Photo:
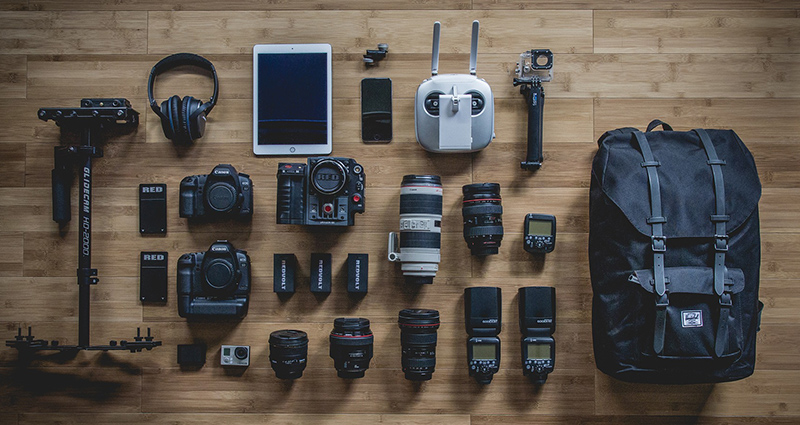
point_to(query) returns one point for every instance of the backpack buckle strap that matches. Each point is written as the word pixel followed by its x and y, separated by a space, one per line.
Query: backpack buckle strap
pixel 720 218
pixel 656 220
pixel 658 243
pixel 721 243
pixel 716 161
pixel 650 164
pixel 725 304
pixel 662 301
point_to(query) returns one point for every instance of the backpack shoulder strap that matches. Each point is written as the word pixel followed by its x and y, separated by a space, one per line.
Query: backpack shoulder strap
pixel 658 242
pixel 720 220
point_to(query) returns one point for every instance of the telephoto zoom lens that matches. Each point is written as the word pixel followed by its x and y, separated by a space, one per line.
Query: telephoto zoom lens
pixel 418 339
pixel 420 241
pixel 351 346
pixel 483 218
pixel 288 353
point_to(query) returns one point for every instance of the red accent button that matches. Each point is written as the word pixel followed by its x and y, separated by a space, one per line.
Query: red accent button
pixel 356 198
pixel 327 208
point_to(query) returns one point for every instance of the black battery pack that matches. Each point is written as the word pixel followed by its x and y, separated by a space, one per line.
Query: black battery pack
pixel 152 208
pixel 357 272
pixel 321 273
pixel 283 273
pixel 153 277
pixel 191 355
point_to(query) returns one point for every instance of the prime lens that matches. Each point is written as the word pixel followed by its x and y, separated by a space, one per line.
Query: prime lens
pixel 483 218
pixel 288 353
pixel 351 346
pixel 418 339
pixel 420 239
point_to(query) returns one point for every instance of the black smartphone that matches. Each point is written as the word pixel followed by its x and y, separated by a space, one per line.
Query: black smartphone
pixel 376 110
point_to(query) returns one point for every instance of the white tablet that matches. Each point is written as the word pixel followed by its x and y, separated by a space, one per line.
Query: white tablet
pixel 292 95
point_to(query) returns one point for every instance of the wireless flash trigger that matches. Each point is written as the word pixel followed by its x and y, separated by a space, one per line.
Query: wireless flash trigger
pixel 454 112
pixel 183 120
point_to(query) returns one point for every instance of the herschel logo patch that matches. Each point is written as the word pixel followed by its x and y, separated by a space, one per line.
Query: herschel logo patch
pixel 692 319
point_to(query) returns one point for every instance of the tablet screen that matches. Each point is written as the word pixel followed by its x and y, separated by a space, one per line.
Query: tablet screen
pixel 292 99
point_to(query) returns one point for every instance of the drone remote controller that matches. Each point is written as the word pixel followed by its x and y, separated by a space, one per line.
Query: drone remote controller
pixel 454 112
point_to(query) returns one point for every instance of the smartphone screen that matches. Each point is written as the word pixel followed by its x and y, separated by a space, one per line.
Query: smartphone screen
pixel 376 110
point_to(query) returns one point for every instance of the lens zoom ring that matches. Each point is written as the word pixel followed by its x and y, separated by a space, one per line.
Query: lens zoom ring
pixel 481 209
pixel 420 240
pixel 420 204
pixel 485 231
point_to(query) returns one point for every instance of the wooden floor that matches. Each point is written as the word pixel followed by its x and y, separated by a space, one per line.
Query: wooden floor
pixel 704 63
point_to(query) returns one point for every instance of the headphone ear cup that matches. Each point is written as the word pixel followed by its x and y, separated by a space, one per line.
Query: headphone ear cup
pixel 175 119
pixel 166 120
pixel 189 107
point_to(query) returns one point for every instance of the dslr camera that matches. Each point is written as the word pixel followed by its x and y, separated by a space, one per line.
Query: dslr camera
pixel 215 283
pixel 325 192
pixel 224 192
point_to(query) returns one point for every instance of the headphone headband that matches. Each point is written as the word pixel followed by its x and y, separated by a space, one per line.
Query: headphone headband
pixel 174 61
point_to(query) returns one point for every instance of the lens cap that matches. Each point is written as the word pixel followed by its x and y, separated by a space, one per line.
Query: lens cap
pixel 426 179
pixel 418 317
pixel 328 176
pixel 219 273
pixel 288 338
pixel 221 196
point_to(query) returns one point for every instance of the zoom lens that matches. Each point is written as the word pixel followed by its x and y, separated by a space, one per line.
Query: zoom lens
pixel 420 239
pixel 288 353
pixel 418 339
pixel 351 346
pixel 483 218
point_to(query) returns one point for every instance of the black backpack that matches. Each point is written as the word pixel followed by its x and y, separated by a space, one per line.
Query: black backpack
pixel 674 255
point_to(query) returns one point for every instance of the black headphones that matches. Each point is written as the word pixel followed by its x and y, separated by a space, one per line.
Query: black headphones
pixel 183 120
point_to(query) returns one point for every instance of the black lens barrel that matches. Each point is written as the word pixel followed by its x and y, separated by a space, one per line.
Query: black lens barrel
pixel 483 218
pixel 288 353
pixel 418 339
pixel 351 346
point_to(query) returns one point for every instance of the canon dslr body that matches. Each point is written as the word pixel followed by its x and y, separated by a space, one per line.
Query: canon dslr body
pixel 483 218
pixel 537 322
pixel 215 283
pixel 482 311
pixel 288 353
pixel 222 193
pixel 325 192
pixel 418 338
pixel 351 346
pixel 418 245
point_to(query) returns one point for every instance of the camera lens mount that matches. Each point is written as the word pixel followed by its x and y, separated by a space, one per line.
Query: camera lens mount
pixel 328 176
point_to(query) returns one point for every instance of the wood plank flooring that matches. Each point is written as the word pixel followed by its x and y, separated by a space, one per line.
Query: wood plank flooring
pixel 713 64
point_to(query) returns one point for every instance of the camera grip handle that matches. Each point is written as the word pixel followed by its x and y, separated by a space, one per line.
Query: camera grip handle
pixel 535 98
pixel 61 180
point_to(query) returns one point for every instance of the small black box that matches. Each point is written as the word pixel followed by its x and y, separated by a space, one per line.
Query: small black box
pixel 321 273
pixel 152 208
pixel 153 277
pixel 191 354
pixel 283 273
pixel 357 272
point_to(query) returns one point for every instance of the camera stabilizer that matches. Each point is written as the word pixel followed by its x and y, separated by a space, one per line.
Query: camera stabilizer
pixel 534 68
pixel 90 118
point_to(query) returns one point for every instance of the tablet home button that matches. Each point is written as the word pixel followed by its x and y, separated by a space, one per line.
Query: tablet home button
pixel 292 149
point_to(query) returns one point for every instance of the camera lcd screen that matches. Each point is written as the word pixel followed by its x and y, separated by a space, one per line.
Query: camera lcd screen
pixel 538 351
pixel 292 99
pixel 539 227
pixel 483 352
